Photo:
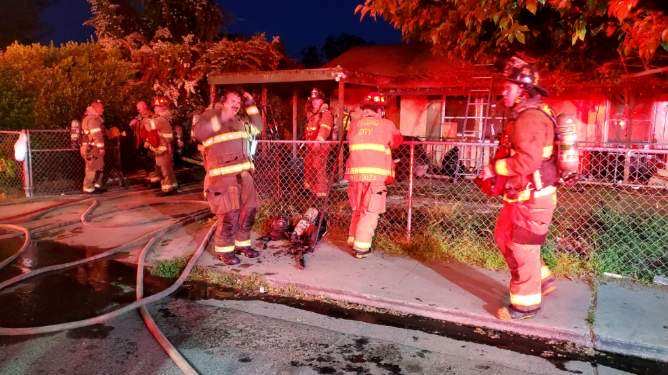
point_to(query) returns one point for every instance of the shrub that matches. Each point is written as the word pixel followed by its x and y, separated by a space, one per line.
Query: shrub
pixel 46 86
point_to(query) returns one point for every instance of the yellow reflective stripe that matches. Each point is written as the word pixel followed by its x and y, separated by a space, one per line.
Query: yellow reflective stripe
pixel 525 194
pixel 325 126
pixel 371 170
pixel 359 245
pixel 525 299
pixel 245 243
pixel 370 147
pixel 252 110
pixel 231 136
pixel 501 168
pixel 152 125
pixel 99 145
pixel 545 272
pixel 223 249
pixel 167 135
pixel 547 151
pixel 235 168
pixel 95 130
pixel 161 149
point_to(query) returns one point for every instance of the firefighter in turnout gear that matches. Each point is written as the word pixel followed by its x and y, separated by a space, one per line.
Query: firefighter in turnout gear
pixel 92 147
pixel 139 126
pixel 526 167
pixel 162 146
pixel 369 168
pixel 319 123
pixel 229 186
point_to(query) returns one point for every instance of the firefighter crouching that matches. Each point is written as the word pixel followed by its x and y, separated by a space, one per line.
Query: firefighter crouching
pixel 229 186
pixel 162 147
pixel 319 122
pixel 525 172
pixel 368 169
pixel 92 148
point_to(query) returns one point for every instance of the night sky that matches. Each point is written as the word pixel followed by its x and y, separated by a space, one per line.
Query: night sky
pixel 300 24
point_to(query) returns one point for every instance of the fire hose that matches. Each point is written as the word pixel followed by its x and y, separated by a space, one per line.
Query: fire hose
pixel 140 302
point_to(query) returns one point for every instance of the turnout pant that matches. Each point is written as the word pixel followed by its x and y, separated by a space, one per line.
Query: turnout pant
pixel 233 199
pixel 315 169
pixel 164 172
pixel 367 200
pixel 93 168
pixel 521 229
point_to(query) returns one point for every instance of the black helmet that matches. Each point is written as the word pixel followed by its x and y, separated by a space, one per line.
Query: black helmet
pixel 526 76
pixel 279 226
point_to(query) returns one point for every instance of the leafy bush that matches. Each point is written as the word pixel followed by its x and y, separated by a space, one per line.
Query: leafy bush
pixel 46 86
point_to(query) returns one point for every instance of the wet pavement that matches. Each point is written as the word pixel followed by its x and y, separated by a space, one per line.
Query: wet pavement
pixel 232 336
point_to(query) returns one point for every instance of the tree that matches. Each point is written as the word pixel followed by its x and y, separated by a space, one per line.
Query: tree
pixel 21 21
pixel 115 19
pixel 576 34
pixel 336 45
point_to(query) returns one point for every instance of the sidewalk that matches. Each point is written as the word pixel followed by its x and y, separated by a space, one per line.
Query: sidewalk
pixel 628 319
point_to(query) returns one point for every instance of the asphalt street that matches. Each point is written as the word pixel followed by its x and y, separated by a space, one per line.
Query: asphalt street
pixel 255 337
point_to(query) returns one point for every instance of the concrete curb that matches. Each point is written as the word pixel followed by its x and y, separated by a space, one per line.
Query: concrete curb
pixel 632 349
pixel 440 313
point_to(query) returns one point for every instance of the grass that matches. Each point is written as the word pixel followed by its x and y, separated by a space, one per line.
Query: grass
pixel 595 230
pixel 169 268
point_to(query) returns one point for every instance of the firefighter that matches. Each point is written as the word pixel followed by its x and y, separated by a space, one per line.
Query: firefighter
pixel 229 186
pixel 113 162
pixel 139 126
pixel 162 147
pixel 319 122
pixel 369 169
pixel 527 174
pixel 92 148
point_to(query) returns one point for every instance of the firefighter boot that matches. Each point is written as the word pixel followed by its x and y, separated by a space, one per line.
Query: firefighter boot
pixel 361 254
pixel 247 251
pixel 230 259
pixel 511 313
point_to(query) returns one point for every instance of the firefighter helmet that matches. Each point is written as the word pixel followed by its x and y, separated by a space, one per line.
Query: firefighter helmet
pixel 160 101
pixel 278 228
pixel 374 100
pixel 522 73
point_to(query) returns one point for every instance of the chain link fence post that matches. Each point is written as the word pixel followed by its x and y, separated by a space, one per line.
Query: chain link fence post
pixel 27 167
pixel 409 218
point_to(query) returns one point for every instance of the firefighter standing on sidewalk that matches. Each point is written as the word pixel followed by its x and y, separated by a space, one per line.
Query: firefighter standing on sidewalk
pixel 163 150
pixel 528 174
pixel 92 148
pixel 229 186
pixel 319 122
pixel 369 169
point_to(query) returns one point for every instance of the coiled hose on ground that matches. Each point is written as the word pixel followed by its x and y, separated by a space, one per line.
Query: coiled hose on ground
pixel 141 301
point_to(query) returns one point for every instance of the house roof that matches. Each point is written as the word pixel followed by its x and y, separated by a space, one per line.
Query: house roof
pixel 405 68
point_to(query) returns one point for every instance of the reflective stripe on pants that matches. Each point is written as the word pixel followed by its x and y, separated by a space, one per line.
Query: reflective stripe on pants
pixel 519 233
pixel 367 200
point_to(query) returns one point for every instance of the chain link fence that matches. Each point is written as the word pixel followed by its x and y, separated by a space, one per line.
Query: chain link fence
pixel 57 167
pixel 615 220
pixel 11 171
